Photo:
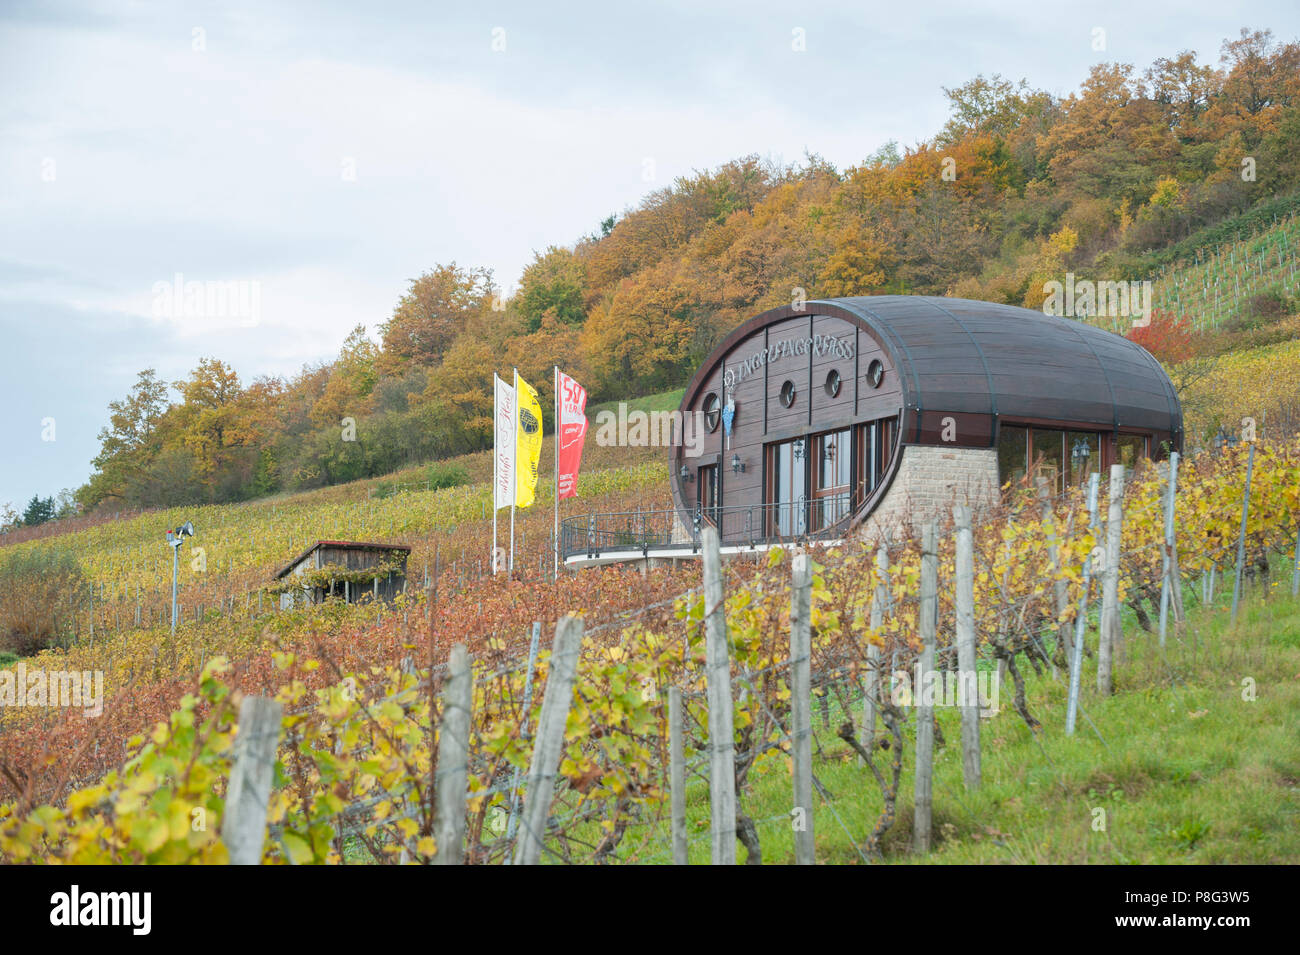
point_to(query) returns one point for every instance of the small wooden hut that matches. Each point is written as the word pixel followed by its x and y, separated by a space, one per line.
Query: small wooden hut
pixel 344 569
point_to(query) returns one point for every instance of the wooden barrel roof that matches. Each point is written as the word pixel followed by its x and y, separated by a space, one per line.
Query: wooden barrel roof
pixel 963 356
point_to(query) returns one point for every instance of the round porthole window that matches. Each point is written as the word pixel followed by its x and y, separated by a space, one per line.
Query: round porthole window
pixel 876 372
pixel 712 411
pixel 833 383
pixel 787 393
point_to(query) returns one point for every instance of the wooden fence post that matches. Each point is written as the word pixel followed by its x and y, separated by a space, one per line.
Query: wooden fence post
pixel 722 739
pixel 1241 537
pixel 243 829
pixel 1111 631
pixel 1170 581
pixel 967 678
pixel 549 749
pixel 1048 513
pixel 871 682
pixel 513 823
pixel 677 775
pixel 929 624
pixel 1076 662
pixel 1295 568
pixel 453 758
pixel 801 707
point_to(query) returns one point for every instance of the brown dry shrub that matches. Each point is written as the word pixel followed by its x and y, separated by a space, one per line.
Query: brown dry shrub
pixel 38 595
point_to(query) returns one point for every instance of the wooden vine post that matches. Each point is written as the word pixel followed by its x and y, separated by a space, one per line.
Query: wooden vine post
pixel 513 823
pixel 1241 537
pixel 967 678
pixel 1295 568
pixel 1080 618
pixel 453 758
pixel 549 749
pixel 722 737
pixel 243 828
pixel 1059 588
pixel 929 625
pixel 871 682
pixel 801 707
pixel 1111 630
pixel 1171 580
pixel 677 776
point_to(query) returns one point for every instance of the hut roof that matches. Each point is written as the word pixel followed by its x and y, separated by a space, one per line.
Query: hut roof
pixel 343 545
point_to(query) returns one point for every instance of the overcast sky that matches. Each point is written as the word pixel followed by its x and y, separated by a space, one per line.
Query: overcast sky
pixel 324 154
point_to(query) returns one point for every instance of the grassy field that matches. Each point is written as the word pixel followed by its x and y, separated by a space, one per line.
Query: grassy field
pixel 1184 768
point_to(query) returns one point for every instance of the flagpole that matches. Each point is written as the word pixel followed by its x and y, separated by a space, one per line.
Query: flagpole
pixel 514 480
pixel 555 386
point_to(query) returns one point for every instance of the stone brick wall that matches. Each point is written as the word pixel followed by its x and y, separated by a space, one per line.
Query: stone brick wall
pixel 680 533
pixel 930 480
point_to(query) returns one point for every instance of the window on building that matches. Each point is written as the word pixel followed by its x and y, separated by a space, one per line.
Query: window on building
pixel 1130 449
pixel 707 478
pixel 875 446
pixel 787 488
pixel 712 412
pixel 1047 452
pixel 1065 458
pixel 1013 453
pixel 833 472
pixel 811 481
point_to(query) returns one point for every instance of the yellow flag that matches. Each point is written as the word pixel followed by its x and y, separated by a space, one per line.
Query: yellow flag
pixel 528 442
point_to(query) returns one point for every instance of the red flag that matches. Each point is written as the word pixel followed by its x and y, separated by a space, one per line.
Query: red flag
pixel 572 432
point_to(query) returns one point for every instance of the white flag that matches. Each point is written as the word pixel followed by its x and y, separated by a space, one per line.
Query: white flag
pixel 503 474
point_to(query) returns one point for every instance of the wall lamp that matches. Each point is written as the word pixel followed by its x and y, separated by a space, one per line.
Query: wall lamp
pixel 687 476
pixel 737 465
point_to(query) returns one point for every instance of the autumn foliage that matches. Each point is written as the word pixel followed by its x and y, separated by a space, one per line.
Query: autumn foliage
pixel 1018 187
pixel 1168 337
pixel 357 755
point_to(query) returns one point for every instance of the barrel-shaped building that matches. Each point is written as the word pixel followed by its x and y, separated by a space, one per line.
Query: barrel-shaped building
pixel 826 417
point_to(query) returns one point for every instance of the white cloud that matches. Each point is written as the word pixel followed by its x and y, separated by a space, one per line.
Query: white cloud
pixel 227 164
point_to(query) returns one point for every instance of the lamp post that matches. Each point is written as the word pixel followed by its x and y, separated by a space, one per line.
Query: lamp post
pixel 174 540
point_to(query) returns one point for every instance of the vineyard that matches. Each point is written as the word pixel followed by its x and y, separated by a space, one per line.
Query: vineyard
pixel 225 572
pixel 1042 592
pixel 1259 383
pixel 1215 285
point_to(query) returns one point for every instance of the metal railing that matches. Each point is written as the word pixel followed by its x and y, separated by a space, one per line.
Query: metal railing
pixel 674 531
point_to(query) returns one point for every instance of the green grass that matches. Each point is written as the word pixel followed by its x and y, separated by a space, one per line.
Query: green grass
pixel 1184 768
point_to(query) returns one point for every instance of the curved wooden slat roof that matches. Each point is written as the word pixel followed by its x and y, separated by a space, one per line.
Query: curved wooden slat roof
pixel 966 356
pixel 980 357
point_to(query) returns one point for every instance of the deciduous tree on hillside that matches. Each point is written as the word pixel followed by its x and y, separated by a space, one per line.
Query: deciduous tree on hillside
pixel 434 310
